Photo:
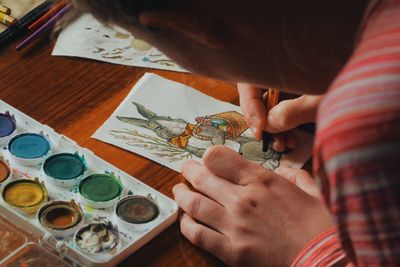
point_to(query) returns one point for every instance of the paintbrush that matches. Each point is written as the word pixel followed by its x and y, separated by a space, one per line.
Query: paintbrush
pixel 272 100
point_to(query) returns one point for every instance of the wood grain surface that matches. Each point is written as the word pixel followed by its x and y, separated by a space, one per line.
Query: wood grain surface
pixel 75 97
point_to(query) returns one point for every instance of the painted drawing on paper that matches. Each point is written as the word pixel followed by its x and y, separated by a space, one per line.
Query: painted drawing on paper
pixel 178 139
pixel 170 123
pixel 88 38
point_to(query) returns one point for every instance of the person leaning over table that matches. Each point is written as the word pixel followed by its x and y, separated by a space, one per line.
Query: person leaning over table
pixel 350 50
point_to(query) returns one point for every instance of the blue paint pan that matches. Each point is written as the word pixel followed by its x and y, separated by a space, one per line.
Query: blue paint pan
pixel 29 149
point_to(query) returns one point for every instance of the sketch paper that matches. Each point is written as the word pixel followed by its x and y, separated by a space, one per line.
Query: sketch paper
pixel 171 123
pixel 86 37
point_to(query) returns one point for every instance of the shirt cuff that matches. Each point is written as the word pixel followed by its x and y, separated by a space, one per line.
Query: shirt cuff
pixel 324 250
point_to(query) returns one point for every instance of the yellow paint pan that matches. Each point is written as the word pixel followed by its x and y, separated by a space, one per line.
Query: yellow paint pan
pixel 25 195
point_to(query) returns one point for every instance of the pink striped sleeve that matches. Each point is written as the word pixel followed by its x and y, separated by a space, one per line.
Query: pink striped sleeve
pixel 324 250
pixel 357 149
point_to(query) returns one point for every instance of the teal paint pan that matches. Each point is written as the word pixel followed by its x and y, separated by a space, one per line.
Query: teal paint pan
pixel 64 170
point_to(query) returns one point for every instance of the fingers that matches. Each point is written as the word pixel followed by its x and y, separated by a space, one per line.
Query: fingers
pixel 206 238
pixel 289 114
pixel 227 164
pixel 207 183
pixel 285 116
pixel 253 108
pixel 285 140
pixel 199 207
pixel 291 140
pixel 279 143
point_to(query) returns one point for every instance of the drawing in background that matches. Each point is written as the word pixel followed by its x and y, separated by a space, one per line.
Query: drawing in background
pixel 171 123
pixel 88 38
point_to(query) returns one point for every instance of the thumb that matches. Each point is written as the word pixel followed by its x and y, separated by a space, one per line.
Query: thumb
pixel 291 113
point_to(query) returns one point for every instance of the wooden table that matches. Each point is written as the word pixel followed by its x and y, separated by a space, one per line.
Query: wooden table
pixel 75 97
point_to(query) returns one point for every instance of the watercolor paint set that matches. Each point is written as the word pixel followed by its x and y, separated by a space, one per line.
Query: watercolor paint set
pixel 62 202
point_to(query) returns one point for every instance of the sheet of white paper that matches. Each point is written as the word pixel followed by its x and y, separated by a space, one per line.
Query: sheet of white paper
pixel 171 123
pixel 88 38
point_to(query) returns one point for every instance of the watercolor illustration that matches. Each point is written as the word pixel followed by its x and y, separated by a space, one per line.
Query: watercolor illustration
pixel 171 123
pixel 178 139
pixel 88 38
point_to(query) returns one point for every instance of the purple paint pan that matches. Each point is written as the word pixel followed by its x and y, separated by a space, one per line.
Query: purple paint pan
pixel 8 126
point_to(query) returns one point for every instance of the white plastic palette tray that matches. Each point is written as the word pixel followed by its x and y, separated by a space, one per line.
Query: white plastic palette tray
pixel 130 241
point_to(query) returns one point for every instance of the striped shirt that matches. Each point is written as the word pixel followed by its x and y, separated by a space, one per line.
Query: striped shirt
pixel 357 151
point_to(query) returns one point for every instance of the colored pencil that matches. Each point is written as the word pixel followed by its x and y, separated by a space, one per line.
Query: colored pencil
pixel 22 25
pixel 5 10
pixel 44 28
pixel 272 100
pixel 7 19
pixel 48 15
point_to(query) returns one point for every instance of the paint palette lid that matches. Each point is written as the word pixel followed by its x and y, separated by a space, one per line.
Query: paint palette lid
pixel 34 255
pixel 18 248
pixel 11 241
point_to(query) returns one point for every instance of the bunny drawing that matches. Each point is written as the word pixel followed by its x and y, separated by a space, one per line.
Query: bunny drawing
pixel 225 128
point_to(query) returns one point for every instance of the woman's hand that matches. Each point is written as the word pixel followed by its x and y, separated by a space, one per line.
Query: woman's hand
pixel 283 117
pixel 245 214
